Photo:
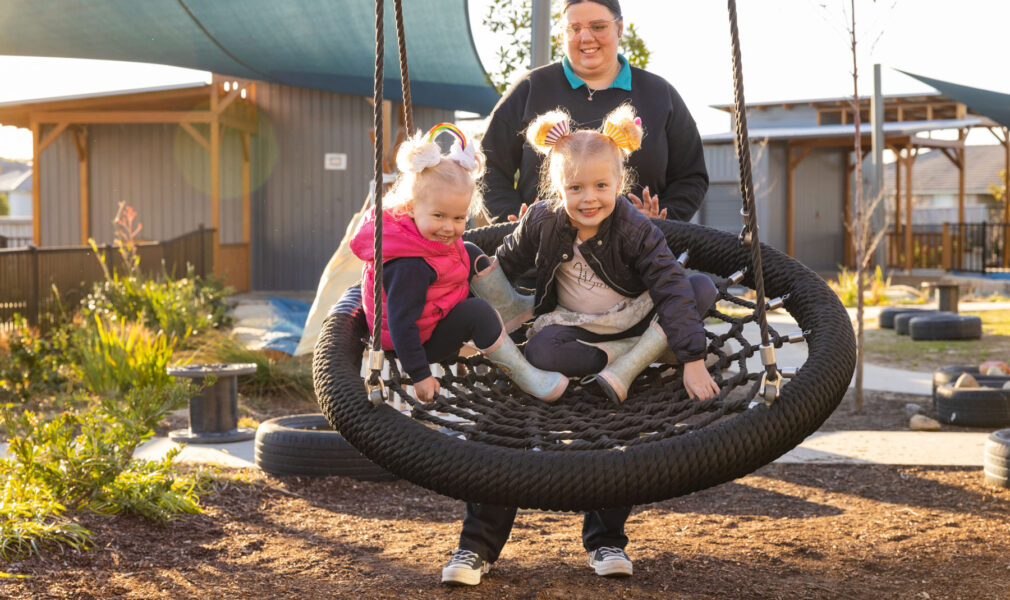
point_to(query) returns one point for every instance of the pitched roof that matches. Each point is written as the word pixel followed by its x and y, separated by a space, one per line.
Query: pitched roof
pixel 16 181
pixel 934 173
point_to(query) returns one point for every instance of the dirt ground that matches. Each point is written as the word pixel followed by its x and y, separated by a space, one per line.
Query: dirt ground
pixel 786 531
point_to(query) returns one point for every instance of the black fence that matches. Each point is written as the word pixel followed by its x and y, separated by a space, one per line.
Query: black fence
pixel 979 247
pixel 30 277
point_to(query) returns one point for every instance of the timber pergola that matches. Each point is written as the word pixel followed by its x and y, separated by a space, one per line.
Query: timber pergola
pixel 906 119
pixel 220 104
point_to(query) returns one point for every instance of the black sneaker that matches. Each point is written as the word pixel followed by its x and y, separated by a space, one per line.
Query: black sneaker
pixel 465 568
pixel 610 561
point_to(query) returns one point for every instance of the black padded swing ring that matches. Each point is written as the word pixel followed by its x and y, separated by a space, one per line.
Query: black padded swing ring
pixel 602 478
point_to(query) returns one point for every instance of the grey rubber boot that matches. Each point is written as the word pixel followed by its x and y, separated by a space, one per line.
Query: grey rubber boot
pixel 617 377
pixel 546 385
pixel 492 285
pixel 614 348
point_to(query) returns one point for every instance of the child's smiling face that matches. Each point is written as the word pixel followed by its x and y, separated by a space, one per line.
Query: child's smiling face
pixel 440 209
pixel 589 192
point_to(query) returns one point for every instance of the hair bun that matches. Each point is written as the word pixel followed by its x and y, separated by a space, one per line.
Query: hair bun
pixel 622 126
pixel 417 154
pixel 547 129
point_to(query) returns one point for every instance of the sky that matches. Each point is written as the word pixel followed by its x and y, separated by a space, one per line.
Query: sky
pixel 792 49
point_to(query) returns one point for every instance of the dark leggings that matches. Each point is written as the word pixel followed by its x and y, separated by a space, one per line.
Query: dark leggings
pixel 560 348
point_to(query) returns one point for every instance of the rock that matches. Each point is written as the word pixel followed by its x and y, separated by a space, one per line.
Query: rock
pixel 923 423
pixel 912 409
pixel 966 381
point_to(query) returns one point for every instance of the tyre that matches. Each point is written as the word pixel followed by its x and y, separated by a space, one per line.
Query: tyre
pixel 943 326
pixel 901 321
pixel 950 374
pixel 997 458
pixel 887 315
pixel 973 407
pixel 306 445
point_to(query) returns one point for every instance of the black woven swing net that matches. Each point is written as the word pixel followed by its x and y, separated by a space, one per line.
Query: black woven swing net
pixel 485 440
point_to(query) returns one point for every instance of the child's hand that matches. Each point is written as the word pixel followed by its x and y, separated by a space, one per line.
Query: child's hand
pixel 522 211
pixel 649 207
pixel 427 389
pixel 698 383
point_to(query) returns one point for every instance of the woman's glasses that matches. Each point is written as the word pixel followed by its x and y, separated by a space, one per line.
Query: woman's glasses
pixel 596 28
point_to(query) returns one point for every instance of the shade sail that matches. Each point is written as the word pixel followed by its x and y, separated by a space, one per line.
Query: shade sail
pixel 322 44
pixel 991 104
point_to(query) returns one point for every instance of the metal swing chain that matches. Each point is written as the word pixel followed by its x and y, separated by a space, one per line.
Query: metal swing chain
pixel 771 380
pixel 376 357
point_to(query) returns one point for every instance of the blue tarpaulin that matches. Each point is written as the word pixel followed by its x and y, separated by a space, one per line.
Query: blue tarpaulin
pixel 321 44
pixel 994 105
pixel 285 330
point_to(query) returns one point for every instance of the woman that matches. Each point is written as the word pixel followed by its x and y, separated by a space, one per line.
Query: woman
pixel 590 81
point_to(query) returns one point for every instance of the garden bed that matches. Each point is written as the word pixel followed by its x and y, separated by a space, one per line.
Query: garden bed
pixel 787 531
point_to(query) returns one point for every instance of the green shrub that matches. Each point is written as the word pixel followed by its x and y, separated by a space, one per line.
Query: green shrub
pixel 179 307
pixel 873 288
pixel 116 356
pixel 84 461
pixel 31 364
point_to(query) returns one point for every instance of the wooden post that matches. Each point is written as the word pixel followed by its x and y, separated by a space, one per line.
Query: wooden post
pixel 246 187
pixel 897 189
pixel 961 154
pixel 908 210
pixel 36 185
pixel 847 210
pixel 33 291
pixel 215 173
pixel 790 200
pixel 81 142
pixel 1006 197
pixel 945 260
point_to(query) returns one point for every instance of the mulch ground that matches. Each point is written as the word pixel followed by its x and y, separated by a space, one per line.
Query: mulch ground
pixel 786 531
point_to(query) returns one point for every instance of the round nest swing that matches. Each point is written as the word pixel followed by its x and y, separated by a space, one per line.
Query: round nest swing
pixel 484 440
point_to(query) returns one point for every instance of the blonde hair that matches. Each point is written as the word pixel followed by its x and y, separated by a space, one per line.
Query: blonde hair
pixel 550 134
pixel 421 161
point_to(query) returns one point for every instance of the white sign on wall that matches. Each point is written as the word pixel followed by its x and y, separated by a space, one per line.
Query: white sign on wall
pixel 335 161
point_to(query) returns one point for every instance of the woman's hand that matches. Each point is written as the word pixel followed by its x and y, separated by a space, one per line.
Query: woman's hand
pixel 522 211
pixel 427 389
pixel 698 383
pixel 649 206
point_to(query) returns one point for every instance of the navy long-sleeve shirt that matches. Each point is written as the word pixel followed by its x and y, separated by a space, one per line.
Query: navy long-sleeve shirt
pixel 406 281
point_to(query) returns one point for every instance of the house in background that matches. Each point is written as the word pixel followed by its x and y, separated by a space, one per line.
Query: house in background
pixel 935 186
pixel 803 167
pixel 16 185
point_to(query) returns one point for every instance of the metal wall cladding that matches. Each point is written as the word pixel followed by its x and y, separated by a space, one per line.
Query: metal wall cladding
pixel 300 209
pixel 819 227
pixel 60 181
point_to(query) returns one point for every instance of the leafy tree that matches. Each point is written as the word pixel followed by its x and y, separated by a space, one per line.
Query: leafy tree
pixel 512 19
pixel 5 205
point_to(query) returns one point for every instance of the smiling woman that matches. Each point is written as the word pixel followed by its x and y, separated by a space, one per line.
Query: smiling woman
pixel 590 81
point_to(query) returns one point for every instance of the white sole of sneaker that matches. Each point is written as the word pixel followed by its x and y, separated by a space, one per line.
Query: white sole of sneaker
pixel 612 569
pixel 453 576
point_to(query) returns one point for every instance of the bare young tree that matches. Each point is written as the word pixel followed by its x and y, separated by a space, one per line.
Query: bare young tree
pixel 864 239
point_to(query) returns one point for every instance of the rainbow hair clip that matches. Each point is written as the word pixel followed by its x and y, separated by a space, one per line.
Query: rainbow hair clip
pixel 448 127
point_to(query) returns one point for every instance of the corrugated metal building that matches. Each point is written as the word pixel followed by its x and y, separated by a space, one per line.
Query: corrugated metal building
pixel 299 209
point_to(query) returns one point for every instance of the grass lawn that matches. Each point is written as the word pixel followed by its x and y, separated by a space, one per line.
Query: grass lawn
pixel 885 347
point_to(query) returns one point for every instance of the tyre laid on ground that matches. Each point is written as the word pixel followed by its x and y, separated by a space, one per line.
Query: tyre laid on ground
pixel 973 407
pixel 901 321
pixel 997 458
pixel 949 375
pixel 887 315
pixel 307 445
pixel 945 326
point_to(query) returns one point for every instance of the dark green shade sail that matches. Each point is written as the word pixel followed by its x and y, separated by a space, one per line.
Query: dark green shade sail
pixel 991 104
pixel 321 44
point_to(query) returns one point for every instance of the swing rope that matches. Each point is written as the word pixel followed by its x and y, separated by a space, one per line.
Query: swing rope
pixel 749 233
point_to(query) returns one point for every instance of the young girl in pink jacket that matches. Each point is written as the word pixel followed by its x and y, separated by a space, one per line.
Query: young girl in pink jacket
pixel 427 312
